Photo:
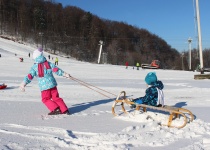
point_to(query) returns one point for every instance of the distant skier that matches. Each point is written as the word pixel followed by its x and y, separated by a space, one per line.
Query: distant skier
pixel 43 70
pixel 49 57
pixel 126 65
pixel 154 94
pixel 56 61
pixel 137 65
pixel 29 55
pixel 21 59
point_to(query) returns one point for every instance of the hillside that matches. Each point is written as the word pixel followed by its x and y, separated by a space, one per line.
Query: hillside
pixel 76 33
pixel 24 123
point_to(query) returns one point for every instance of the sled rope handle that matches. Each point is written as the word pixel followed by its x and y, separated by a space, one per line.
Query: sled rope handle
pixel 90 87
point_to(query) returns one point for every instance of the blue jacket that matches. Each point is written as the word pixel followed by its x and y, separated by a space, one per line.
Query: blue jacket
pixel 47 81
pixel 151 96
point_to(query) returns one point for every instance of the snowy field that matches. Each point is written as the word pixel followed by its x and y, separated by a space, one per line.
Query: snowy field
pixel 24 123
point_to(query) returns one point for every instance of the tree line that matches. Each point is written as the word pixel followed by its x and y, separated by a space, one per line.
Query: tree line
pixel 76 33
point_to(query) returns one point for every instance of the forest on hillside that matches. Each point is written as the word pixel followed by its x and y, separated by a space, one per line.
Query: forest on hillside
pixel 75 33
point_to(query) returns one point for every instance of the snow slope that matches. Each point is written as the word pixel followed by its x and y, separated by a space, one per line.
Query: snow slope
pixel 24 123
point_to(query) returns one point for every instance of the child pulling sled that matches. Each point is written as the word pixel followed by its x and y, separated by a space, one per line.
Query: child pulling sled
pixel 43 70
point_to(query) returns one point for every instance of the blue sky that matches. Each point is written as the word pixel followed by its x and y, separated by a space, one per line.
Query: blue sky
pixel 172 20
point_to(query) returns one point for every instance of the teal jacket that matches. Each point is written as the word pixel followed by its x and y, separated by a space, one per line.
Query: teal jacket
pixel 47 81
pixel 151 96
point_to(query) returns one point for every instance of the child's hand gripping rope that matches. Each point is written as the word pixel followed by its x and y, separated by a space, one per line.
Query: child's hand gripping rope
pixel 66 75
pixel 22 87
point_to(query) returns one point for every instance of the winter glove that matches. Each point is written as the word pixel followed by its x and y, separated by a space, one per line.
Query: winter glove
pixel 139 101
pixel 22 87
pixel 66 75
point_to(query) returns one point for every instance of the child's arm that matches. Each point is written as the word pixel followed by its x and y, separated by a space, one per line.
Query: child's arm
pixel 59 71
pixel 30 76
pixel 56 70
pixel 149 98
pixel 27 79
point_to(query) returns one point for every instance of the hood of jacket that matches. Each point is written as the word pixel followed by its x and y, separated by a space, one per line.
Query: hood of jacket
pixel 40 59
pixel 158 84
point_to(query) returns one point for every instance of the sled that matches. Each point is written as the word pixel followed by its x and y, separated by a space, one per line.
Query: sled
pixel 3 86
pixel 174 112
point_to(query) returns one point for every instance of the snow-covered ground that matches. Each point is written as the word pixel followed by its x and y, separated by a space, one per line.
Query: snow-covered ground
pixel 24 123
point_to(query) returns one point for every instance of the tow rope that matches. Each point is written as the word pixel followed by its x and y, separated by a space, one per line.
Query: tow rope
pixel 94 88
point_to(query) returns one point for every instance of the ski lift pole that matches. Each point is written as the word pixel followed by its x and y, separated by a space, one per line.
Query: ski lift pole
pixel 199 35
pixel 99 55
pixel 189 41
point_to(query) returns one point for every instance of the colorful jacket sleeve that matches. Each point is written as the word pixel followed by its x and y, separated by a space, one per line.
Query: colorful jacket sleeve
pixel 30 76
pixel 56 70
pixel 150 97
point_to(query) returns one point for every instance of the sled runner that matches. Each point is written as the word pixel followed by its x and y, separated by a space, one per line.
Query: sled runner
pixel 174 112
pixel 3 86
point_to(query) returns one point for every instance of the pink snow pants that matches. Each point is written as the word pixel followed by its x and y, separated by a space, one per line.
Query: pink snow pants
pixel 52 100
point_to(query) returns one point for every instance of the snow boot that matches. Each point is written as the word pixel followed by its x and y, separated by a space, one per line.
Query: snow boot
pixel 55 112
pixel 132 106
pixel 66 112
pixel 159 105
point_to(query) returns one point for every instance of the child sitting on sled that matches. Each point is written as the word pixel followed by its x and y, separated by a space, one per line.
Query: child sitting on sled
pixel 154 94
pixel 43 70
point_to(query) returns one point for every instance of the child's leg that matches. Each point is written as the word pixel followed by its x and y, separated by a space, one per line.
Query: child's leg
pixel 46 99
pixel 59 101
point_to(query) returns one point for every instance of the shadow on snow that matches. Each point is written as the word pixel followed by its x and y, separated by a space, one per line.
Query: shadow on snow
pixel 83 106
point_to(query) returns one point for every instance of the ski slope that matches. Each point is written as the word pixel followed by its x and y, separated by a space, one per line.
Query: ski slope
pixel 24 123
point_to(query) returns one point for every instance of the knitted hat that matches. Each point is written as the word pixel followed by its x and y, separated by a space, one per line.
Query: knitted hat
pixel 37 53
pixel 151 78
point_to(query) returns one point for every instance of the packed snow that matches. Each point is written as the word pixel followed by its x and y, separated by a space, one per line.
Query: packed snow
pixel 24 123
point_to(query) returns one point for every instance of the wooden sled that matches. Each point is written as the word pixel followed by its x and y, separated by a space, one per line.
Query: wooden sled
pixel 174 112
